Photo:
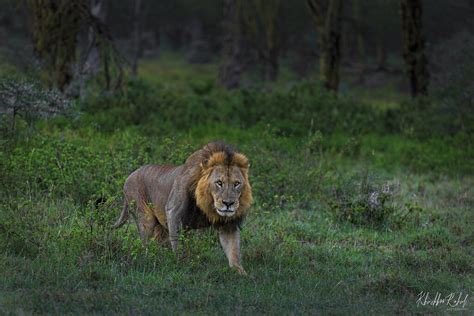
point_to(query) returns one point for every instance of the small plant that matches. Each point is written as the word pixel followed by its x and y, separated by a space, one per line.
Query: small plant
pixel 27 99
pixel 364 203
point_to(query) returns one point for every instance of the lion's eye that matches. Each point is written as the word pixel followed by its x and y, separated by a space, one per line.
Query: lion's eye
pixel 236 184
pixel 219 183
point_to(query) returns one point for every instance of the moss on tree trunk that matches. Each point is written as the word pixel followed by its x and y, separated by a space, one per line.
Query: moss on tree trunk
pixel 55 26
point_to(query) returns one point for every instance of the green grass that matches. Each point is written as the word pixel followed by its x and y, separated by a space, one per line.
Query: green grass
pixel 298 261
pixel 172 72
pixel 308 244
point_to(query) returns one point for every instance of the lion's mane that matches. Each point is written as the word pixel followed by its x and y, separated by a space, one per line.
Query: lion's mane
pixel 201 163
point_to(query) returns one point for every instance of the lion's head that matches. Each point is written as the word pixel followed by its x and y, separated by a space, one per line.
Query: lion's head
pixel 223 191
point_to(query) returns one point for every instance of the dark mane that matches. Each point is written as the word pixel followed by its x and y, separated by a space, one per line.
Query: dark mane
pixel 203 155
pixel 219 146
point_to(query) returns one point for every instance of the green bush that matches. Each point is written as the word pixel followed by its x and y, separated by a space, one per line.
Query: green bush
pixel 316 215
pixel 366 202
pixel 52 166
pixel 297 111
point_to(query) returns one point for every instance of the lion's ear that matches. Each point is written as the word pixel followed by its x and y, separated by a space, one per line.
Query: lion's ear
pixel 204 164
pixel 241 161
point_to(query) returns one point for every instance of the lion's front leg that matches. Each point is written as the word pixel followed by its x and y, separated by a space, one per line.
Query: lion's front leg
pixel 230 241
pixel 174 224
pixel 175 209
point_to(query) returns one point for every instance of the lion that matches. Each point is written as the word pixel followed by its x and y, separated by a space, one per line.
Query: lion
pixel 211 189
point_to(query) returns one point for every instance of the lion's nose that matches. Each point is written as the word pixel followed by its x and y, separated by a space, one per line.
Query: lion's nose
pixel 228 203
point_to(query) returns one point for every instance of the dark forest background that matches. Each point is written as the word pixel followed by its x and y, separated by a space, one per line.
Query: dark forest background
pixel 357 117
pixel 364 43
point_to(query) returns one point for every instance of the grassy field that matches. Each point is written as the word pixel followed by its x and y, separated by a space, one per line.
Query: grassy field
pixel 350 215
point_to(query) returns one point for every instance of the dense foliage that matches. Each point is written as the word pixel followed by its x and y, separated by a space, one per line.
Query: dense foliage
pixel 354 205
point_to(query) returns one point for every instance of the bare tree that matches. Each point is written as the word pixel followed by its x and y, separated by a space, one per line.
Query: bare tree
pixel 55 29
pixel 55 26
pixel 233 62
pixel 27 99
pixel 414 46
pixel 91 59
pixel 327 17
pixel 261 23
pixel 98 9
pixel 381 55
pixel 136 39
pixel 199 50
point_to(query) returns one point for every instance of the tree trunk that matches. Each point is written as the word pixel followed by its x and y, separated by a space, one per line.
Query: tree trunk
pixel 199 51
pixel 98 10
pixel 327 17
pixel 361 47
pixel 260 20
pixel 268 12
pixel 414 46
pixel 55 27
pixel 381 56
pixel 271 64
pixel 233 62
pixel 136 38
pixel 92 52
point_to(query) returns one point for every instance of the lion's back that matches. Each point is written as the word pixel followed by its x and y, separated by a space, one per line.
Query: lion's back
pixel 151 182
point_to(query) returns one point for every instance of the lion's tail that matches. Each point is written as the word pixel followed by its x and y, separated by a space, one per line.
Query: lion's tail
pixel 123 216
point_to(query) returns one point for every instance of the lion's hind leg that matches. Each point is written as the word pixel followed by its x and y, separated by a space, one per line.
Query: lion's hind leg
pixel 160 235
pixel 146 222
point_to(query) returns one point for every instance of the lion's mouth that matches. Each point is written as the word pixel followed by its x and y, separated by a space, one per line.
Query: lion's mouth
pixel 225 211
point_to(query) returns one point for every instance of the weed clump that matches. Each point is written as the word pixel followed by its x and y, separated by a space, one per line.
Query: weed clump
pixel 364 202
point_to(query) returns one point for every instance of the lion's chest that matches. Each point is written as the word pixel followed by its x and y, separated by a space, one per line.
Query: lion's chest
pixel 194 218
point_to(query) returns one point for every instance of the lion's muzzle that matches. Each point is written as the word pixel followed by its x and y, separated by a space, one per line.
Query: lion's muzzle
pixel 226 208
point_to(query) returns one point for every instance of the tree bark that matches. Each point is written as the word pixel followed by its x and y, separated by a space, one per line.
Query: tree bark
pixel 416 63
pixel 199 51
pixel 92 52
pixel 98 10
pixel 327 17
pixel 55 27
pixel 271 65
pixel 381 55
pixel 361 47
pixel 233 62
pixel 136 38
pixel 260 21
pixel 267 17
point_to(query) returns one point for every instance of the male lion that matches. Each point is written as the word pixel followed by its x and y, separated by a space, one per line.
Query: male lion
pixel 210 189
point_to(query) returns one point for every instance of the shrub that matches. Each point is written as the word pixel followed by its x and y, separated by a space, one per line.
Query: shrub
pixel 362 204
pixel 25 98
pixel 299 110
pixel 73 169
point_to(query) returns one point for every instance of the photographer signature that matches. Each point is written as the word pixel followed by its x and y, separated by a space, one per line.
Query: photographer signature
pixel 456 301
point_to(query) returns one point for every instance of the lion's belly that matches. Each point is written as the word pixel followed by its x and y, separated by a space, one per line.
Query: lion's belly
pixel 194 218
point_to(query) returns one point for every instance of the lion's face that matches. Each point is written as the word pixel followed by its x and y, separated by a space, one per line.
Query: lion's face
pixel 225 186
pixel 223 191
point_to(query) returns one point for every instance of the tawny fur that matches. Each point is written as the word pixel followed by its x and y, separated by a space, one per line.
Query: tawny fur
pixel 205 200
pixel 153 193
